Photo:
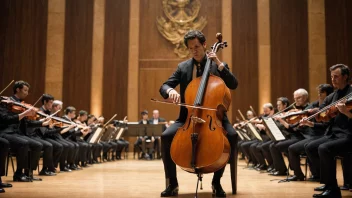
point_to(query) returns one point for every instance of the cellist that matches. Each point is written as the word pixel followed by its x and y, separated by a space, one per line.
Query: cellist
pixel 196 44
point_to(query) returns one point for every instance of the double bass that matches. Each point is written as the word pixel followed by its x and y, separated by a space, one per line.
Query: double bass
pixel 200 146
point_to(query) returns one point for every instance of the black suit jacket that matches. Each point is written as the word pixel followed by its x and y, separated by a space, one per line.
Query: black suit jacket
pixel 151 121
pixel 183 76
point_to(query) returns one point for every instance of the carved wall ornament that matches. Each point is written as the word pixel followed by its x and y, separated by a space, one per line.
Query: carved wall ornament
pixel 182 16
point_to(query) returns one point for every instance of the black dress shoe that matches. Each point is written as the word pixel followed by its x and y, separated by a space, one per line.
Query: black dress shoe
pixel 296 178
pixel 218 191
pixel 321 188
pixel 262 167
pixel 269 169
pixel 47 173
pixel 21 178
pixel 333 193
pixel 2 190
pixel 65 169
pixel 278 173
pixel 5 185
pixel 171 190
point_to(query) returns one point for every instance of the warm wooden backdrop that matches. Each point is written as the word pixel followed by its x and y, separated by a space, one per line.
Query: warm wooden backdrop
pixel 23 47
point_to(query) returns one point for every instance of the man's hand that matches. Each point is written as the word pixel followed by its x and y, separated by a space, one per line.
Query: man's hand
pixel 46 121
pixel 174 96
pixel 305 122
pixel 214 57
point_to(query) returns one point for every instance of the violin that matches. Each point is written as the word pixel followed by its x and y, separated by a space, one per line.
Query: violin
pixel 20 107
pixel 200 145
pixel 331 111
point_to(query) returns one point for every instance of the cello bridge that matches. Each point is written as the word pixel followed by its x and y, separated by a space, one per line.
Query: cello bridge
pixel 197 120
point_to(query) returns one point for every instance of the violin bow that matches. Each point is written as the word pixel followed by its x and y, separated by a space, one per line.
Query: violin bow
pixel 7 86
pixel 184 104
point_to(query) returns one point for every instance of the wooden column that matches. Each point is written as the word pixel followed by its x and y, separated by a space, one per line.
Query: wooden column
pixel 264 84
pixel 55 48
pixel 97 58
pixel 317 46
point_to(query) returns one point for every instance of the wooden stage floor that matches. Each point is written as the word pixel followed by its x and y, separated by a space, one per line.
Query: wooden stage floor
pixel 145 179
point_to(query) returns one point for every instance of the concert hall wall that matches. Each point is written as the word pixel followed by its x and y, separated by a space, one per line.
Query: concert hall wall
pixel 107 56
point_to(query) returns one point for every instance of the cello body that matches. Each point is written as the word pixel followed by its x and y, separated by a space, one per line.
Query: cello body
pixel 211 150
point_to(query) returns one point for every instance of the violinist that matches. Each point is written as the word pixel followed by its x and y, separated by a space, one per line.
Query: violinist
pixel 282 103
pixel 301 101
pixel 70 113
pixel 72 136
pixel 337 139
pixel 15 134
pixel 107 147
pixel 54 136
pixel 85 147
pixel 185 72
pixel 50 151
pixel 237 126
pixel 6 120
pixel 256 147
pixel 97 147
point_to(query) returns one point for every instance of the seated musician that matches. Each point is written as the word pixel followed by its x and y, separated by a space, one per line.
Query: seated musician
pixel 147 141
pixel 338 136
pixel 51 149
pixel 156 120
pixel 256 148
pixel 6 120
pixel 20 143
pixel 296 134
pixel 70 114
pixel 238 127
pixel 123 144
pixel 81 119
pixel 107 147
pixel 196 43
pixel 282 104
pixel 97 148
pixel 68 154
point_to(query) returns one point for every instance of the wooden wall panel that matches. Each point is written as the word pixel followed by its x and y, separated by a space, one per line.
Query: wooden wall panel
pixel 289 47
pixel 78 53
pixel 115 77
pixel 338 26
pixel 23 28
pixel 157 61
pixel 244 55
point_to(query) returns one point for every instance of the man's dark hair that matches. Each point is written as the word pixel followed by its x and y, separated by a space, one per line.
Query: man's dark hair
pixel 325 88
pixel 345 70
pixel 69 109
pixel 47 98
pixel 284 101
pixel 19 84
pixel 83 112
pixel 91 116
pixel 192 34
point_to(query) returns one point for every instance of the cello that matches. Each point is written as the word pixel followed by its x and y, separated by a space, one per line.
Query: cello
pixel 200 146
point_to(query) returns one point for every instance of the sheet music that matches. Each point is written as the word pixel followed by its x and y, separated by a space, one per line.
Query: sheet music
pixel 240 134
pixel 254 131
pixel 96 135
pixel 275 131
pixel 120 133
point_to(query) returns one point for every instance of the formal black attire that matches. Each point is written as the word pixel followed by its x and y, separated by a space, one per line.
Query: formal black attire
pixel 183 76
pixel 336 141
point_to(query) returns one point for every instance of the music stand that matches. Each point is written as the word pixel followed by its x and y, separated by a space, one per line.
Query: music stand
pixel 272 130
pixel 97 134
pixel 254 132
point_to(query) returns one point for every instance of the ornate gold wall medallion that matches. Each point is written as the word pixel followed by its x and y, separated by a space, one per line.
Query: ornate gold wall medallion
pixel 182 16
